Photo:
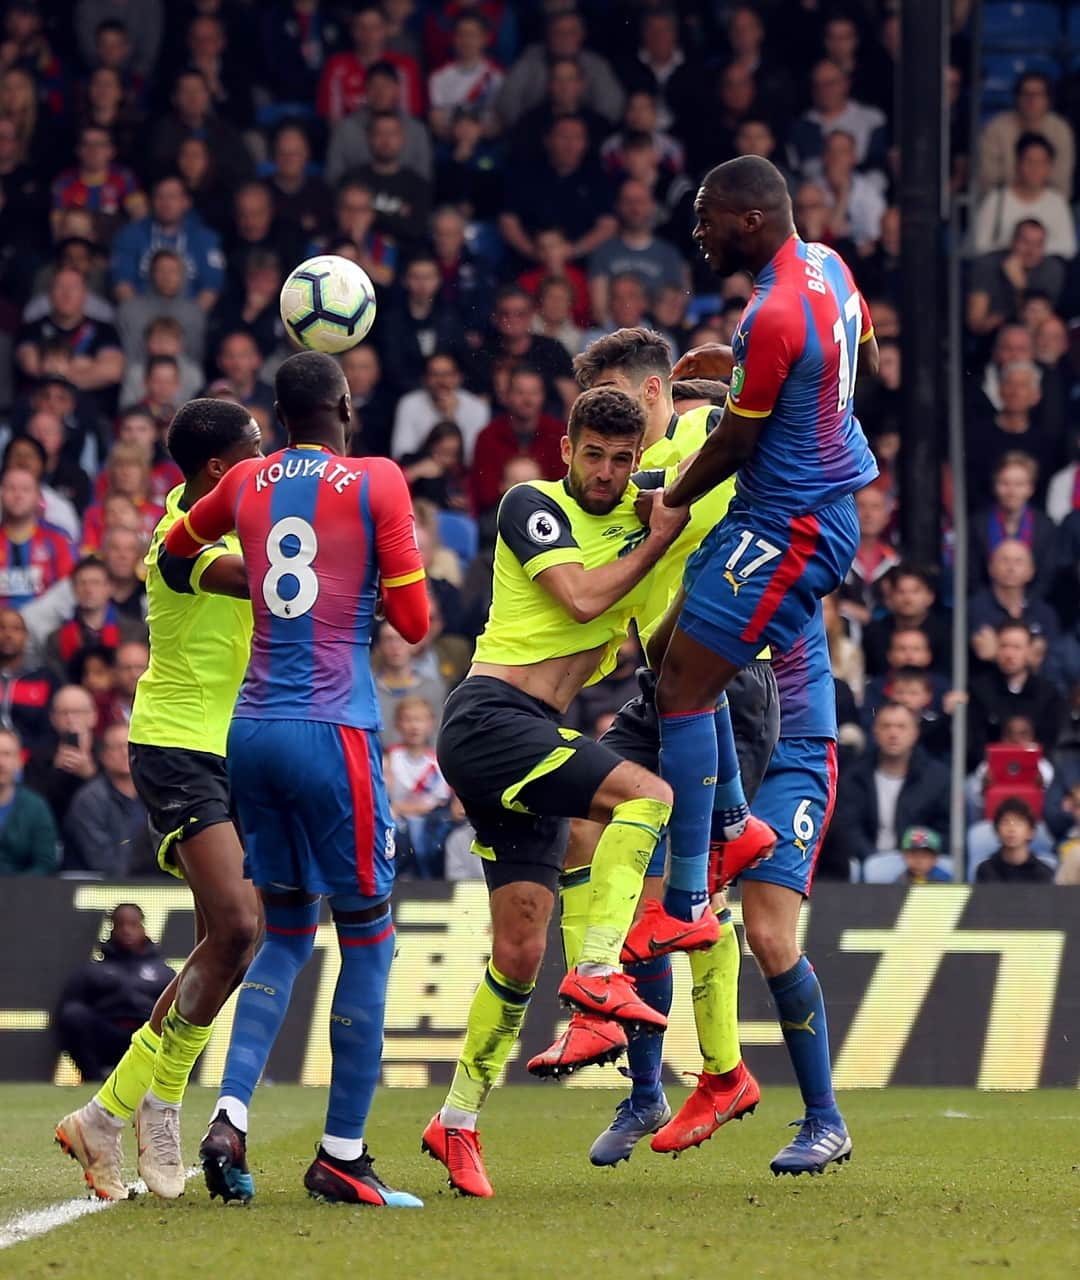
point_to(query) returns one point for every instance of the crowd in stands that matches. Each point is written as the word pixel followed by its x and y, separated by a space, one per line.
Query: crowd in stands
pixel 516 179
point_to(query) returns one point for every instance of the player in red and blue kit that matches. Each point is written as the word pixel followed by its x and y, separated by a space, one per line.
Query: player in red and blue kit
pixel 322 536
pixel 789 435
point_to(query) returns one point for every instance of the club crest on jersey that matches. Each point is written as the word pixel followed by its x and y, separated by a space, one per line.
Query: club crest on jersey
pixel 542 527
pixel 738 377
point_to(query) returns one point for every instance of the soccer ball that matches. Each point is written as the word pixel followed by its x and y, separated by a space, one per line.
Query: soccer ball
pixel 328 304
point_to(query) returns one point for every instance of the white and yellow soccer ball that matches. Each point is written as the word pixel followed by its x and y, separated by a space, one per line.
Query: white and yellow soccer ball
pixel 328 304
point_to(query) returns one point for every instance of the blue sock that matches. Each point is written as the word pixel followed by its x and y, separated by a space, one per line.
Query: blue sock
pixel 800 1007
pixel 645 1055
pixel 730 809
pixel 688 766
pixel 265 993
pixel 356 1022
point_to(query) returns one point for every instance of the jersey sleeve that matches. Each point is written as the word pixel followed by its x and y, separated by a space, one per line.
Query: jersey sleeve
pixel 537 530
pixel 183 574
pixel 395 528
pixel 867 321
pixel 767 355
pixel 213 516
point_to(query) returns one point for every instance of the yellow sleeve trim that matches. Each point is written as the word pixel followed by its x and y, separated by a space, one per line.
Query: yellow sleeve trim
pixel 405 579
pixel 203 542
pixel 867 335
pixel 747 413
pixel 548 560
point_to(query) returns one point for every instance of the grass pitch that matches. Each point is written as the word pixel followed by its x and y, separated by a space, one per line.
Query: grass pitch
pixel 943 1183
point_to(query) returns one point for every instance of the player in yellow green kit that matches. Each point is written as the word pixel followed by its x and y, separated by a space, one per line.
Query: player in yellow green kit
pixel 637 361
pixel 568 557
pixel 200 629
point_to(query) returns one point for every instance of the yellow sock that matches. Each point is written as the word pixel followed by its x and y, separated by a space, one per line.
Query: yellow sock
pixel 495 1017
pixel 574 893
pixel 181 1044
pixel 618 870
pixel 130 1078
pixel 716 999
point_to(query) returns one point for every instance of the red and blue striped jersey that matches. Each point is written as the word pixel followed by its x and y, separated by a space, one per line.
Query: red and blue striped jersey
pixel 796 351
pixel 319 534
pixel 27 569
pixel 804 679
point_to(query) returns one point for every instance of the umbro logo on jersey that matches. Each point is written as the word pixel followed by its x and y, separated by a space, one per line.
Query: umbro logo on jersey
pixel 614 531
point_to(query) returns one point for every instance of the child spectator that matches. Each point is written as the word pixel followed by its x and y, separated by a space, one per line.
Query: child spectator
pixel 415 784
pixel 1013 862
pixel 129 477
pixel 920 847
pixel 554 253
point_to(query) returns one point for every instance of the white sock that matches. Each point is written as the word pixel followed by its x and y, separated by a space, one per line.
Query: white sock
pixel 455 1119
pixel 735 829
pixel 236 1112
pixel 101 1114
pixel 159 1104
pixel 591 969
pixel 342 1148
pixel 698 909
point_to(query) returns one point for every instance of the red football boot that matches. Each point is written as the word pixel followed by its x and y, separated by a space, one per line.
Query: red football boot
pixel 610 995
pixel 459 1150
pixel 728 859
pixel 587 1041
pixel 712 1104
pixel 656 933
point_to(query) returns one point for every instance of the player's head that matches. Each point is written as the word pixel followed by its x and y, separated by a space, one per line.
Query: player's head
pixel 637 361
pixel 211 436
pixel 695 393
pixel 311 400
pixel 743 213
pixel 601 447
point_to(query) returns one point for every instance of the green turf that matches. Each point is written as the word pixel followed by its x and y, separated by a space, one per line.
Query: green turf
pixel 943 1183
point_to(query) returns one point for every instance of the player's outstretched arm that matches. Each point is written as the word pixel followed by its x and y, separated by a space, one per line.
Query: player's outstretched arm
pixel 404 583
pixel 212 517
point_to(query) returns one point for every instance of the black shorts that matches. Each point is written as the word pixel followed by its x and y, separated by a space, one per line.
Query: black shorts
pixel 755 718
pixel 184 793
pixel 519 775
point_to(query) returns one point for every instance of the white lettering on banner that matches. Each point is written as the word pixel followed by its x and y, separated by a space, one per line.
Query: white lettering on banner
pixel 911 953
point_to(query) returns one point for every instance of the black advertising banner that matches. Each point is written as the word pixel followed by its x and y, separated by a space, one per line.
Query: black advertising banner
pixel 937 985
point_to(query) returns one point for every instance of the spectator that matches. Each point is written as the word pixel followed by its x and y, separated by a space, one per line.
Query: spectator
pixel 297 37
pixel 97 361
pixel 855 200
pixel 918 690
pixel 354 214
pixel 165 299
pixel 254 308
pixel 642 116
pixel 468 284
pixel 554 251
pixel 141 24
pixel 171 225
pixel 1013 862
pixel 435 471
pixel 25 688
pixel 470 169
pixel 1013 344
pixel 833 108
pixel 416 325
pixel 109 190
pixel 1001 280
pixel 95 620
pixel 33 555
pixel 62 473
pixel 28 840
pixel 908 651
pixel 664 69
pixel 64 759
pixel 564 96
pixel 402 197
pixel 910 599
pixel 634 250
pixel 1028 196
pixel 161 390
pixel 121 553
pixel 128 471
pixel 22 212
pixel 1011 688
pixel 1030 114
pixel 513 343
pixel 861 593
pixel 526 81
pixel 225 71
pixel 441 399
pixel 1063 491
pixel 554 314
pixel 106 827
pixel 896 785
pixel 1012 571
pixel 565 189
pixel 920 847
pixel 718 123
pixel 342 86
pixel 813 220
pixel 163 338
pixel 210 192
pixel 397 676
pixel 439 25
pixel 471 78
pixel 523 430
pixel 414 783
pixel 256 229
pixel 372 402
pixel 1013 517
pixel 26 454
pixel 301 200
pixel 193 116
pixel 105 1000
pixel 240 360
pixel 628 305
pixel 350 148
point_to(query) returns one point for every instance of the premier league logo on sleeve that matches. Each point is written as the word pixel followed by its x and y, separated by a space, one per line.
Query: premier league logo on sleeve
pixel 542 527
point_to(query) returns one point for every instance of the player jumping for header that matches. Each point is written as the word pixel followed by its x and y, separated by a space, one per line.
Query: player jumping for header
pixel 321 534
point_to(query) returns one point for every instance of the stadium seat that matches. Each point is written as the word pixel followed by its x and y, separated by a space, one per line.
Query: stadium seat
pixel 703 304
pixel 982 841
pixel 1000 71
pixel 995 793
pixel 1018 27
pixel 269 115
pixel 458 532
pixel 887 868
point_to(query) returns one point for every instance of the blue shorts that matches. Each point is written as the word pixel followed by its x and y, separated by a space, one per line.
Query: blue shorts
pixel 797 800
pixel 312 807
pixel 756 580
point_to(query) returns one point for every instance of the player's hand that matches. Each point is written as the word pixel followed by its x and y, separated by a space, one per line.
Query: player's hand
pixel 643 505
pixel 666 523
pixel 711 360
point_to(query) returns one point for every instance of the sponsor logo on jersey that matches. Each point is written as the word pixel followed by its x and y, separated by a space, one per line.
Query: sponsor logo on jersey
pixel 738 377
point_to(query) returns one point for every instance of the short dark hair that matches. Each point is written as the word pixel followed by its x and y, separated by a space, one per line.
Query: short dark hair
pixel 914 673
pixel 748 182
pixel 608 412
pixel 1025 76
pixel 203 429
pixel 107 25
pixel 36 445
pixel 307 382
pixel 1028 140
pixel 76 667
pixel 1018 808
pixel 908 569
pixel 88 562
pixel 700 389
pixel 637 352
pixel 1013 624
pixel 384 68
pixel 126 906
pixel 155 362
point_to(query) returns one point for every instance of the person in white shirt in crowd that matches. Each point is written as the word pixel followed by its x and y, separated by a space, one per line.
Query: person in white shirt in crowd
pixel 472 79
pixel 441 399
pixel 855 199
pixel 834 108
pixel 414 782
pixel 996 148
pixel 1028 195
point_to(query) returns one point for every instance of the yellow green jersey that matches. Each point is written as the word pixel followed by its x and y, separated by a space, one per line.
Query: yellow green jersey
pixel 541 525
pixel 199 648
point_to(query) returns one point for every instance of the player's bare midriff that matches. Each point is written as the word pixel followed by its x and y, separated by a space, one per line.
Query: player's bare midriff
pixel 556 681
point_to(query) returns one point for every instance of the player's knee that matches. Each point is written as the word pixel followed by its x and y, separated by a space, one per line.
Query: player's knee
pixel 581 845
pixel 235 933
pixel 773 946
pixel 520 957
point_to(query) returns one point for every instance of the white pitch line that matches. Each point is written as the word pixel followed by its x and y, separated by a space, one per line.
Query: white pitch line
pixel 39 1222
